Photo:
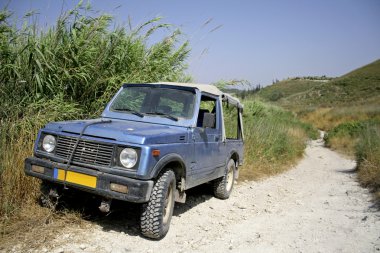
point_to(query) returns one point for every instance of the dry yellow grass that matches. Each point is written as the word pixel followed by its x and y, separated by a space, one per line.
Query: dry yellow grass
pixel 344 144
pixel 297 135
pixel 263 169
pixel 369 175
pixel 35 227
pixel 328 118
pixel 16 187
pixel 318 117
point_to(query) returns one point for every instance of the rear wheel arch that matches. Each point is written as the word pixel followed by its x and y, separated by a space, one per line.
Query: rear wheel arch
pixel 234 155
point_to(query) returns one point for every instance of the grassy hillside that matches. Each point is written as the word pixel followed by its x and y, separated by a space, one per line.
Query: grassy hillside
pixel 348 107
pixel 284 91
pixel 359 87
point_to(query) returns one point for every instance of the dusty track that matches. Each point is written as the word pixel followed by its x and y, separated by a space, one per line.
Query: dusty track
pixel 315 207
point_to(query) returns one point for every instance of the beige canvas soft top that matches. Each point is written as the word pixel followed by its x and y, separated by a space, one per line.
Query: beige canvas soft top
pixel 208 88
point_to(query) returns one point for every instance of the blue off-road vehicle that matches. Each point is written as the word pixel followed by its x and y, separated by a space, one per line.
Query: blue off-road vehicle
pixel 152 143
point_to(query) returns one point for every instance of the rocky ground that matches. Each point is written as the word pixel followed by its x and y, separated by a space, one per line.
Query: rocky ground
pixel 317 206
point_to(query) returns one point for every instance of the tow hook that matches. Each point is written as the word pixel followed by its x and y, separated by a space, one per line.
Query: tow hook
pixel 105 205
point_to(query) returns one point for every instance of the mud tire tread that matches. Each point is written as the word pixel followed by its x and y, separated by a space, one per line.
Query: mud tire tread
pixel 151 220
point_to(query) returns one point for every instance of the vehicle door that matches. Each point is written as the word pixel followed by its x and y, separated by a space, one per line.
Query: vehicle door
pixel 208 142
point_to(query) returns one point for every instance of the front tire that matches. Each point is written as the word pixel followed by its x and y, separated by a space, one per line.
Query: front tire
pixel 157 213
pixel 223 186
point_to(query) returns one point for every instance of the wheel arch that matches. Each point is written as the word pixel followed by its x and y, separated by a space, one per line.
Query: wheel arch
pixel 175 163
pixel 234 155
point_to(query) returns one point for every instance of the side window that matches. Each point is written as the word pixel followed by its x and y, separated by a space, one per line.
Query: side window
pixel 208 105
pixel 231 120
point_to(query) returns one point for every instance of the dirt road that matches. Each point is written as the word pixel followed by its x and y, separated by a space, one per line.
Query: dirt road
pixel 315 207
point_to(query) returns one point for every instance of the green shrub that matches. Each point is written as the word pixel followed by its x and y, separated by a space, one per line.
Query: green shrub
pixel 276 95
pixel 351 129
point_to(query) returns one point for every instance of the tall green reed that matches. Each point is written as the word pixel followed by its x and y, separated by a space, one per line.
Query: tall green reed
pixel 69 71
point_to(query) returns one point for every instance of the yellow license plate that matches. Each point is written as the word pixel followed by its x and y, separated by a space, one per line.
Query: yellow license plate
pixel 75 178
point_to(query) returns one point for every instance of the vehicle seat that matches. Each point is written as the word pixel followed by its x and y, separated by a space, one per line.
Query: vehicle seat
pixel 200 116
pixel 164 109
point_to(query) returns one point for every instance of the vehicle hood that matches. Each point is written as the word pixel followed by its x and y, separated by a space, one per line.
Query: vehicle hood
pixel 123 131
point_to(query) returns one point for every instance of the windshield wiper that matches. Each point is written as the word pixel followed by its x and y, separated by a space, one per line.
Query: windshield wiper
pixel 164 114
pixel 130 110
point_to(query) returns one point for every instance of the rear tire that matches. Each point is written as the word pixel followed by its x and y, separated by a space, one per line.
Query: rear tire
pixel 223 186
pixel 157 213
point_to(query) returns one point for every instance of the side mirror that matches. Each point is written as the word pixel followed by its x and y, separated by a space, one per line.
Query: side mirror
pixel 208 120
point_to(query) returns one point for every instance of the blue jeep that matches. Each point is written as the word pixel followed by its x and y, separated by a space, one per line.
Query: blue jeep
pixel 152 143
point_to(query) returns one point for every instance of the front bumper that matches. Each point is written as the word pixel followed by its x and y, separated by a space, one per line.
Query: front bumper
pixel 138 190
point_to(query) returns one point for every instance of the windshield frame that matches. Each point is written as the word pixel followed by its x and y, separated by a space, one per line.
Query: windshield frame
pixel 152 118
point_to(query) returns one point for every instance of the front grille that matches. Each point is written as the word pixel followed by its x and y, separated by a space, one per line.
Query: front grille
pixel 87 152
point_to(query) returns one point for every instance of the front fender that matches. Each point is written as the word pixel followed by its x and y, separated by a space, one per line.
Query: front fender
pixel 169 158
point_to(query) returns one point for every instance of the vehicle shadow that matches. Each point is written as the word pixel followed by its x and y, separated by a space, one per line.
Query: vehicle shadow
pixel 194 197
pixel 124 217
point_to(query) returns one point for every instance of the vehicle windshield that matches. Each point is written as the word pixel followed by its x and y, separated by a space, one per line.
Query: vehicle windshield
pixel 170 103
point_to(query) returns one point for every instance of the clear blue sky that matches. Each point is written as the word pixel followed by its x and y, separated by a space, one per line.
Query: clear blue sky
pixel 258 40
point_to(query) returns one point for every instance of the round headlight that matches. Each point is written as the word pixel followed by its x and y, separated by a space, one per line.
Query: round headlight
pixel 48 143
pixel 128 157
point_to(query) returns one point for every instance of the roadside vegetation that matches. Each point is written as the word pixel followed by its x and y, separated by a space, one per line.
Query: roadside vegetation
pixel 274 139
pixel 71 70
pixel 347 108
